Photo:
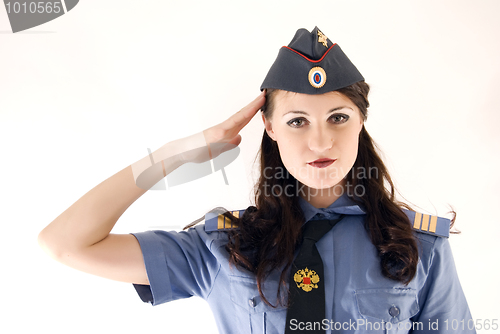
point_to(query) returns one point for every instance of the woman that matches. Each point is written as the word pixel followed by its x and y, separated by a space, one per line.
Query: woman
pixel 326 248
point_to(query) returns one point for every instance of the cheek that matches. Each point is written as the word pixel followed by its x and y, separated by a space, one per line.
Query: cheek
pixel 349 147
pixel 288 150
pixel 287 142
pixel 291 152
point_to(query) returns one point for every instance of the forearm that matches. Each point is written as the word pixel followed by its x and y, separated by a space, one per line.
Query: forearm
pixel 91 218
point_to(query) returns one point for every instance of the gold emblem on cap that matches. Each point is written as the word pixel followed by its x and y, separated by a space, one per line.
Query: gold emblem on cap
pixel 317 77
pixel 306 279
pixel 322 39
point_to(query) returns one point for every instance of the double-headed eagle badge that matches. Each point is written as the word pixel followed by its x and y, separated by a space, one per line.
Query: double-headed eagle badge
pixel 306 279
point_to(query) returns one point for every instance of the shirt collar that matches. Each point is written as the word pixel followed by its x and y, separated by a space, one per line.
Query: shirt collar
pixel 344 205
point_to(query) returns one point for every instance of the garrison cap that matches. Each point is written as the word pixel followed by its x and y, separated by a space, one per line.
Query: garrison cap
pixel 311 64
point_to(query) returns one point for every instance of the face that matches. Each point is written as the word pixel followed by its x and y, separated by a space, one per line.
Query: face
pixel 317 136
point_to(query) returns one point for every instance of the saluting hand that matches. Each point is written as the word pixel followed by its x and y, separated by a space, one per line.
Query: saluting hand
pixel 224 136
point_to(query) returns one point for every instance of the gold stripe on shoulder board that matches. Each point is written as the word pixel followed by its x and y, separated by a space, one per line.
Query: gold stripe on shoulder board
pixel 225 223
pixel 219 222
pixel 431 224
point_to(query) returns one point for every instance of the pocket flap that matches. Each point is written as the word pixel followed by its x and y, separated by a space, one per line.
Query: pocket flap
pixel 389 305
pixel 244 293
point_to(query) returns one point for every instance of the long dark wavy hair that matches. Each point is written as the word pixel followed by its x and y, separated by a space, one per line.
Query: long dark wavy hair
pixel 270 231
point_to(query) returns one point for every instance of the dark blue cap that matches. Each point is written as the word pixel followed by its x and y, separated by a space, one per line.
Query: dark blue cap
pixel 311 64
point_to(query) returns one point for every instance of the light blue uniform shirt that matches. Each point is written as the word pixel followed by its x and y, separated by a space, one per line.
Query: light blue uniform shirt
pixel 359 299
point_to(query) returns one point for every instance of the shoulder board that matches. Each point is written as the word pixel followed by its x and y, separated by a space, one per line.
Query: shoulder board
pixel 428 224
pixel 218 222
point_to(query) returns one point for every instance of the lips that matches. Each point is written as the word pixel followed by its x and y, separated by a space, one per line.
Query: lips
pixel 321 163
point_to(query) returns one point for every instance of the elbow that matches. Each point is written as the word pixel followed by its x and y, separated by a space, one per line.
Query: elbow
pixel 42 239
pixel 49 245
pixel 43 242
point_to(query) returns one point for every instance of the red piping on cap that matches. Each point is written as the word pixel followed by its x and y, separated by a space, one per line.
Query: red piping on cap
pixel 312 61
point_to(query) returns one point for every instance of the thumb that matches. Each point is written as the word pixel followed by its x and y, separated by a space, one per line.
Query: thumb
pixel 217 148
pixel 236 140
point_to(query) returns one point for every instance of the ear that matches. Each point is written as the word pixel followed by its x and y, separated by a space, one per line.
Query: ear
pixel 269 128
pixel 361 127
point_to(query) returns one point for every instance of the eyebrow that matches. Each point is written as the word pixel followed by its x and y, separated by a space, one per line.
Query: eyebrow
pixel 305 113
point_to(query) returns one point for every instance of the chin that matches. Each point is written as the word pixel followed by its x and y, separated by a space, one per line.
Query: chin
pixel 321 184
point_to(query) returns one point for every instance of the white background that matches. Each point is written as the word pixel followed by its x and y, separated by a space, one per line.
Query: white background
pixel 85 95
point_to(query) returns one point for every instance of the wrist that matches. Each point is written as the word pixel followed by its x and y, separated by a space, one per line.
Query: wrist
pixel 157 165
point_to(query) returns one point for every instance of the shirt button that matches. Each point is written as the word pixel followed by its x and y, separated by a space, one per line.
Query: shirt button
pixel 251 302
pixel 394 311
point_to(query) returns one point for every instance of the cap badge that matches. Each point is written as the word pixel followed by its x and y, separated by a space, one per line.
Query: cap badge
pixel 322 39
pixel 306 279
pixel 317 77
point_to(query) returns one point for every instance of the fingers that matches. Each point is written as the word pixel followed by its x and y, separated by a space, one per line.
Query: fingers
pixel 251 109
pixel 229 129
pixel 242 117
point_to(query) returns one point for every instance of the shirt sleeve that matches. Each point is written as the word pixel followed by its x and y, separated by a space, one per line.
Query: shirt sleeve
pixel 178 264
pixel 443 307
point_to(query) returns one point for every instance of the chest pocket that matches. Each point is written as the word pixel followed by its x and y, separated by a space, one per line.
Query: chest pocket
pixel 389 309
pixel 254 315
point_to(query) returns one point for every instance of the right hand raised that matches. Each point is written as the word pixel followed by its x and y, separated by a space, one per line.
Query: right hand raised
pixel 225 136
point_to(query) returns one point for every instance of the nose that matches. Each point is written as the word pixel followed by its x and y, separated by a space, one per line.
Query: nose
pixel 320 140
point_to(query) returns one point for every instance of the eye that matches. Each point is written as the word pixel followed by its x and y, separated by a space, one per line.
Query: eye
pixel 339 118
pixel 297 122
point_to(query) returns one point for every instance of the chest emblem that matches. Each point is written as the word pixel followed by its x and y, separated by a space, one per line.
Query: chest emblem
pixel 306 279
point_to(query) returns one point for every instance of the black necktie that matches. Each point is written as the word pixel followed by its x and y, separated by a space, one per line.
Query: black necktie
pixel 307 283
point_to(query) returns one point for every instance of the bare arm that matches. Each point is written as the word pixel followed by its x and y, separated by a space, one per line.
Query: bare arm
pixel 80 236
